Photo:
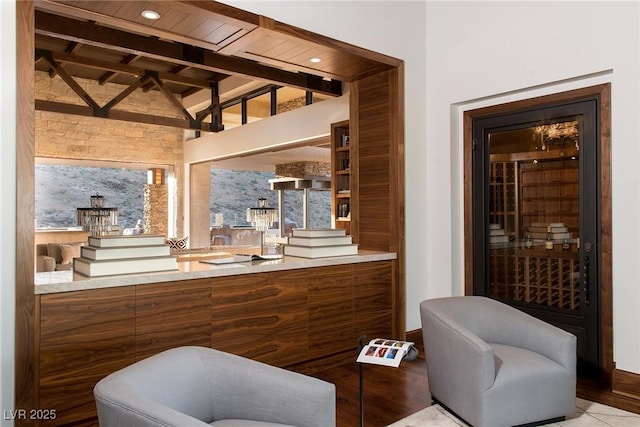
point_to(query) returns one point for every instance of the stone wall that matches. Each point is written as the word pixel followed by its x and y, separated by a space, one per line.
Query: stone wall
pixel 303 169
pixel 65 136
pixel 155 209
pixel 294 104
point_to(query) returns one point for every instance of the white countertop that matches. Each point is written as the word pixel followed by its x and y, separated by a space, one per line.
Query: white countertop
pixel 63 281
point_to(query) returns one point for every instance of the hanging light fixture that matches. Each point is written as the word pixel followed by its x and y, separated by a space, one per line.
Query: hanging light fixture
pixel 261 217
pixel 558 135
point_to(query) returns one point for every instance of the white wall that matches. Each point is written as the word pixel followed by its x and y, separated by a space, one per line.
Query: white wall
pixel 8 210
pixel 481 54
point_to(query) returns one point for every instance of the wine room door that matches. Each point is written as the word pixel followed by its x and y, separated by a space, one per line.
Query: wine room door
pixel 535 180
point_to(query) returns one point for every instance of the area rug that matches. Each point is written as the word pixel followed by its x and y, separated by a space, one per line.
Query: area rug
pixel 431 416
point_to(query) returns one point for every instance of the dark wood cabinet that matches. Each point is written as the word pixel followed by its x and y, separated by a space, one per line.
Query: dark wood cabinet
pixel 262 317
pixel 331 305
pixel 84 336
pixel 297 318
pixel 172 314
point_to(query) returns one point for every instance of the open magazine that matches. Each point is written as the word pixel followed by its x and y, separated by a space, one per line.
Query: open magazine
pixel 383 351
pixel 243 258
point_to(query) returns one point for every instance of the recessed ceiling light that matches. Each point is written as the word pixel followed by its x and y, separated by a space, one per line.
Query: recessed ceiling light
pixel 315 60
pixel 150 14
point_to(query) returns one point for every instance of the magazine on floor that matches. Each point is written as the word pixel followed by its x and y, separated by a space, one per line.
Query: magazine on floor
pixel 384 351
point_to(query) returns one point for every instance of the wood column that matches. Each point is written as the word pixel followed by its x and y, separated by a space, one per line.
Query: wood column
pixel 26 350
pixel 377 160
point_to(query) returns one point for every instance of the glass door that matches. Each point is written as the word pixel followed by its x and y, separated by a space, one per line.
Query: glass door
pixel 535 181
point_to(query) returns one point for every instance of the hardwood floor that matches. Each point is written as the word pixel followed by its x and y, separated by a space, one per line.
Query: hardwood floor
pixel 390 394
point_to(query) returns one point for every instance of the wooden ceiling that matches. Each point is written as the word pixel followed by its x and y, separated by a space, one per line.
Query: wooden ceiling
pixel 191 46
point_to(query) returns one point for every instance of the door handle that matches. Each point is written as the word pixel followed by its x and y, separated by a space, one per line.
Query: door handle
pixel 585 279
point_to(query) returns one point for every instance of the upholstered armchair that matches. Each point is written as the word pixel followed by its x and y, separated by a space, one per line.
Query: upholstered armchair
pixel 494 365
pixel 198 386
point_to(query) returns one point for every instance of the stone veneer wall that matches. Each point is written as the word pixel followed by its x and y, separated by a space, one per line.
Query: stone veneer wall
pixel 293 104
pixel 74 137
pixel 155 209
pixel 303 169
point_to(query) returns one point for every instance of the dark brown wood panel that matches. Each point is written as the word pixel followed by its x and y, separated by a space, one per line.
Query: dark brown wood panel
pixel 293 306
pixel 26 354
pixel 85 336
pixel 208 26
pixel 172 314
pixel 331 314
pixel 626 383
pixel 378 172
pixel 373 296
pixel 263 317
pixel 375 201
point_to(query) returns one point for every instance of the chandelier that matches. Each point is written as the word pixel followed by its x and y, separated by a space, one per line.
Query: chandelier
pixel 558 136
pixel 261 217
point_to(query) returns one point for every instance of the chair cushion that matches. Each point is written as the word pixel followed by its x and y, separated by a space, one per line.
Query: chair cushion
pixel 54 251
pixel 525 376
pixel 246 423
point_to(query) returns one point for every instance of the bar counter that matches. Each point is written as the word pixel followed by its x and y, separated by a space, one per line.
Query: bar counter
pixel 301 314
pixel 64 281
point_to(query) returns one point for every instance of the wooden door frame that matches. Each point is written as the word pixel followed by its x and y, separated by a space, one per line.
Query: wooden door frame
pixel 603 91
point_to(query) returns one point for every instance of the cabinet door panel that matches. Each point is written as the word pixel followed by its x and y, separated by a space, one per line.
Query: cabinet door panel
pixel 262 317
pixel 77 349
pixel 373 286
pixel 331 310
pixel 172 314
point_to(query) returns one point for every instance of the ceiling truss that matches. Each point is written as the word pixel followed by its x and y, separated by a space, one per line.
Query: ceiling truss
pixel 147 78
pixel 114 54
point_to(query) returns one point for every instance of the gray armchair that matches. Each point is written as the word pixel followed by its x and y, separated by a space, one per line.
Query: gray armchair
pixel 496 366
pixel 198 386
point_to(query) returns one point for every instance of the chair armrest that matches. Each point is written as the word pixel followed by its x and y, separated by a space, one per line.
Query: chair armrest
pixel 246 389
pixel 45 263
pixel 118 405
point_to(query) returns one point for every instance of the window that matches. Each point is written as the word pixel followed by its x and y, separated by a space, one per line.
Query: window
pixel 233 191
pixel 60 189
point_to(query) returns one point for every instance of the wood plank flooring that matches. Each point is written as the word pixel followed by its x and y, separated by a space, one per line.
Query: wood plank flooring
pixel 390 394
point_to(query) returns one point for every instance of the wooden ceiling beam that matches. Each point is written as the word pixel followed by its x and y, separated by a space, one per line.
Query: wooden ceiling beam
pixel 82 110
pixel 178 53
pixel 110 75
pixel 72 47
pixel 107 112
pixel 125 69
pixel 177 104
pixel 46 56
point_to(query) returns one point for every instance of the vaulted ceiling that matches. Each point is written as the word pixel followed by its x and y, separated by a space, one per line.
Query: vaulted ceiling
pixel 192 47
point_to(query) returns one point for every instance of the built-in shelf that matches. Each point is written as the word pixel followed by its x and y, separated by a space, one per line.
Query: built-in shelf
pixel 341 175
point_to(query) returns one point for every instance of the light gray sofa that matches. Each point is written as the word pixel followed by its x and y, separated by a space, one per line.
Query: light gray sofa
pixel 494 365
pixel 198 386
